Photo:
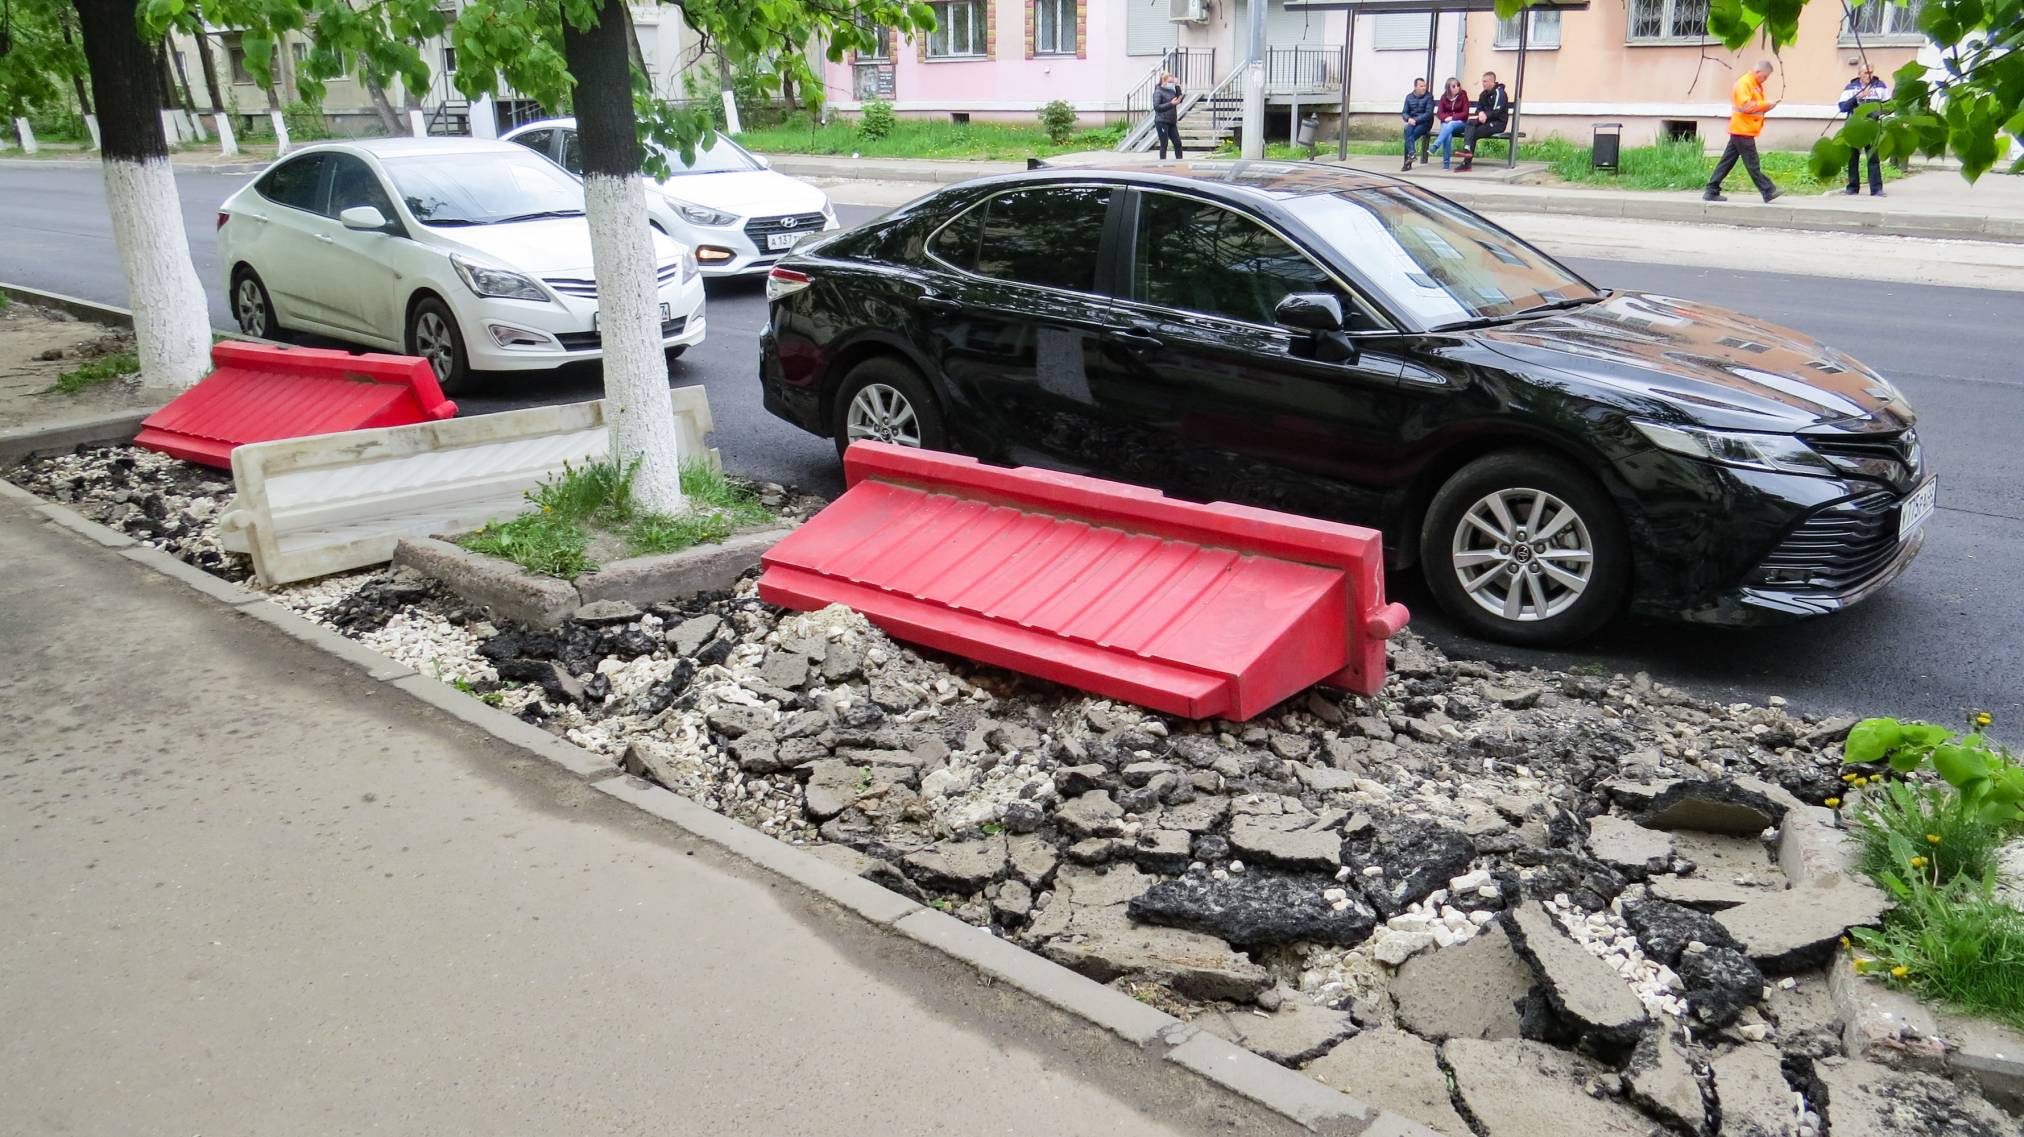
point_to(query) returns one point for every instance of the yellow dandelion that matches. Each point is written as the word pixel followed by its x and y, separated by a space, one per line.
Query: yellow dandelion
pixel 1932 838
pixel 1850 777
pixel 1832 802
pixel 1858 965
pixel 1983 718
pixel 1900 971
pixel 1918 862
pixel 1844 941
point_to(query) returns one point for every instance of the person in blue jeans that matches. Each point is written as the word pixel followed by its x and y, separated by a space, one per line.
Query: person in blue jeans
pixel 1418 115
pixel 1451 117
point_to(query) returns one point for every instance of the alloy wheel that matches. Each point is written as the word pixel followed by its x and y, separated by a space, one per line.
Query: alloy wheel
pixel 434 343
pixel 251 307
pixel 1523 554
pixel 880 413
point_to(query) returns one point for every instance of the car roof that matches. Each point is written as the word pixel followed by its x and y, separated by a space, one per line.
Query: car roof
pixel 542 124
pixel 1262 180
pixel 420 147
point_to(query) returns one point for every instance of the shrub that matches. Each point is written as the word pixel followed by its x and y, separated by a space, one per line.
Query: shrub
pixel 876 120
pixel 1058 120
pixel 306 123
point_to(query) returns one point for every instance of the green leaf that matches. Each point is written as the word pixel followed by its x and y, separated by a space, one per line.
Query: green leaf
pixel 1959 765
pixel 1870 739
pixel 1829 155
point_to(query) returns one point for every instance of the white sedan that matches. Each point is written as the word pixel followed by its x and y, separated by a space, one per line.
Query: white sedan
pixel 738 215
pixel 472 254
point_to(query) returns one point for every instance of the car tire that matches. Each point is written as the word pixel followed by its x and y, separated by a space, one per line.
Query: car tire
pixel 1524 589
pixel 433 334
pixel 675 352
pixel 883 399
pixel 252 308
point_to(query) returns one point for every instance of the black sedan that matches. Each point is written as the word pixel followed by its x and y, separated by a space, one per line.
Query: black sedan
pixel 1348 346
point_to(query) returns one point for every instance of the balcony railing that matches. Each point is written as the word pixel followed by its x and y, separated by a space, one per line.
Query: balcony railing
pixel 1305 70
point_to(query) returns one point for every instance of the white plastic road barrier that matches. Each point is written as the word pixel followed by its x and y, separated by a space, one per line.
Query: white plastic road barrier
pixel 331 502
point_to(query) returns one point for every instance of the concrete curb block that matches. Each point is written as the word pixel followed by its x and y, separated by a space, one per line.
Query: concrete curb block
pixel 501 587
pixel 91 310
pixel 16 494
pixel 78 523
pixel 179 167
pixel 1289 1093
pixel 375 665
pixel 17 446
pixel 700 568
pixel 500 725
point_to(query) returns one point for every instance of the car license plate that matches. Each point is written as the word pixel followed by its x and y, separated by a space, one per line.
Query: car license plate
pixel 1917 507
pixel 667 314
pixel 781 240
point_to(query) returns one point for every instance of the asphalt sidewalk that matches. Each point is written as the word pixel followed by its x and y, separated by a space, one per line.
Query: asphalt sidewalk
pixel 252 891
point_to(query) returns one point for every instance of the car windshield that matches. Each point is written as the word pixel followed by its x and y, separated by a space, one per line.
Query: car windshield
pixel 1435 260
pixel 720 156
pixel 484 188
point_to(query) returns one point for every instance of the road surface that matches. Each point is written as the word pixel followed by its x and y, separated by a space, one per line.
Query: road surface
pixel 1938 643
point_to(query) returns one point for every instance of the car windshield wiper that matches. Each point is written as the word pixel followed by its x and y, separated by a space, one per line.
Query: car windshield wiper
pixel 1520 314
pixel 448 221
pixel 536 216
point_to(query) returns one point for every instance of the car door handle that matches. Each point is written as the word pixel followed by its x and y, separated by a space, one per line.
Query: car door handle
pixel 326 238
pixel 1139 336
pixel 936 303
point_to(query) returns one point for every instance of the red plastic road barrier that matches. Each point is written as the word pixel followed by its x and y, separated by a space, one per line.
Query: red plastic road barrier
pixel 260 392
pixel 1196 610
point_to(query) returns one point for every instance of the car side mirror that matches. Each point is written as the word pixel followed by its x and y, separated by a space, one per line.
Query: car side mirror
pixel 364 218
pixel 1316 312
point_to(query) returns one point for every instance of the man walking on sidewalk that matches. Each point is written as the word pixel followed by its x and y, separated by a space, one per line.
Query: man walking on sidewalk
pixel 1864 89
pixel 1746 122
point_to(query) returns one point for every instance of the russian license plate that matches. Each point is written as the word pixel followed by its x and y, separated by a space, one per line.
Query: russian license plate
pixel 781 240
pixel 667 314
pixel 1917 507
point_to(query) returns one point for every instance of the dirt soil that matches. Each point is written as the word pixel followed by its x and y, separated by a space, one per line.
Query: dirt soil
pixel 37 345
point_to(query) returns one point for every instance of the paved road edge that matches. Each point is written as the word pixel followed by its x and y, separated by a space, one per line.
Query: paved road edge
pixel 1288 1093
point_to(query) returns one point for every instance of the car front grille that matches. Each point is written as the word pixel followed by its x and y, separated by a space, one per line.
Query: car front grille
pixel 1837 548
pixel 760 228
pixel 589 341
pixel 1895 458
pixel 585 288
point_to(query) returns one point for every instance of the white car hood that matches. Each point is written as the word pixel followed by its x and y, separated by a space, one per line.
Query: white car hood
pixel 552 246
pixel 747 193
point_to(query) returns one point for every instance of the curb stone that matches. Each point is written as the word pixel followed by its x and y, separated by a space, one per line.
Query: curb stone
pixel 17 446
pixel 1289 1093
pixel 83 526
pixel 108 314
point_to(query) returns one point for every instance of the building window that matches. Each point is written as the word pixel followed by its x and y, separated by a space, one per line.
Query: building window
pixel 1883 21
pixel 1054 27
pixel 235 57
pixel 1668 21
pixel 449 61
pixel 299 53
pixel 959 30
pixel 881 45
pixel 1544 32
pixel 1398 31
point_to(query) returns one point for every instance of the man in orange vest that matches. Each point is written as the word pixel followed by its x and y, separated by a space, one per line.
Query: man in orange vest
pixel 1745 123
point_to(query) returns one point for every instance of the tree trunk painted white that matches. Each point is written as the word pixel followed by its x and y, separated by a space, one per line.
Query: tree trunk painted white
pixel 172 329
pixel 172 130
pixel 228 143
pixel 91 128
pixel 196 122
pixel 280 132
pixel 416 125
pixel 628 314
pixel 484 117
pixel 27 133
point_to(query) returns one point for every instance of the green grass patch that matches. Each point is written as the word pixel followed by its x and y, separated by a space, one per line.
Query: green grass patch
pixel 925 138
pixel 1935 823
pixel 590 507
pixel 1955 943
pixel 104 369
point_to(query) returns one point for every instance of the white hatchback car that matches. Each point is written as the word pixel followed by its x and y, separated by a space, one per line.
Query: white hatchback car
pixel 738 215
pixel 472 254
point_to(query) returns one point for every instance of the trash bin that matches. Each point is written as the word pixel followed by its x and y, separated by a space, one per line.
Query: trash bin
pixel 1607 148
pixel 1310 125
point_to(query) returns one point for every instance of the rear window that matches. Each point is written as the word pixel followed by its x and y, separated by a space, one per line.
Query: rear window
pixel 293 183
pixel 1047 237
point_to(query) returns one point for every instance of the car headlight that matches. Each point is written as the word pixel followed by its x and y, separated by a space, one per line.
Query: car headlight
pixel 483 280
pixel 698 215
pixel 1783 453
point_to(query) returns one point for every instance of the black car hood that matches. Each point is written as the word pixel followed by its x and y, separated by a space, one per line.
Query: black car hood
pixel 1713 366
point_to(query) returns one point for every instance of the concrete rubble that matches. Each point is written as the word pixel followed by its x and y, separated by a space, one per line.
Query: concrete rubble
pixel 1501 901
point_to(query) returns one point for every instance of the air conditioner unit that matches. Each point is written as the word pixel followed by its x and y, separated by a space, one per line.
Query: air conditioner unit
pixel 1187 11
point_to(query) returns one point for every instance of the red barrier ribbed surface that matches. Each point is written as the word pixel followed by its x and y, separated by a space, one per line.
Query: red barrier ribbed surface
pixel 1197 610
pixel 261 392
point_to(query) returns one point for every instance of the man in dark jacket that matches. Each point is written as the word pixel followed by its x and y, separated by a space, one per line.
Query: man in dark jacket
pixel 1167 113
pixel 1493 113
pixel 1862 90
pixel 1418 115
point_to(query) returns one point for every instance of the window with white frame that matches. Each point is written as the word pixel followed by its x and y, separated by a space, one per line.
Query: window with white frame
pixel 1398 31
pixel 959 30
pixel 1544 32
pixel 1668 21
pixel 881 44
pixel 1054 27
pixel 1883 21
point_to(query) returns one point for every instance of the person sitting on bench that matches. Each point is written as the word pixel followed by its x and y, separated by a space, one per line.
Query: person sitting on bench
pixel 1493 114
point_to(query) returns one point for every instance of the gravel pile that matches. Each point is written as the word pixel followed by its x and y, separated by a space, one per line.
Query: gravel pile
pixel 1520 869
